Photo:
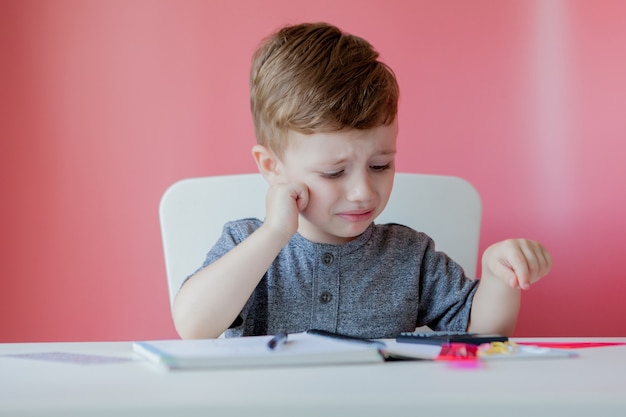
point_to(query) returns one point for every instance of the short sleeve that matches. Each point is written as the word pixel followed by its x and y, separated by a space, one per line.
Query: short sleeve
pixel 446 292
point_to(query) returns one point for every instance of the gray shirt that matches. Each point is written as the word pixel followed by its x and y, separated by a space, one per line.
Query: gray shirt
pixel 388 280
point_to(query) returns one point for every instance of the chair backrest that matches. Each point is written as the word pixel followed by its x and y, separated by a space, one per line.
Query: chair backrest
pixel 193 211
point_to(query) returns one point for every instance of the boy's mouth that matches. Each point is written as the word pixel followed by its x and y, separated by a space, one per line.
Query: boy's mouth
pixel 357 215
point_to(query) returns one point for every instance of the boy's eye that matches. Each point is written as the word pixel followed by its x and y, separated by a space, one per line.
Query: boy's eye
pixel 380 167
pixel 331 175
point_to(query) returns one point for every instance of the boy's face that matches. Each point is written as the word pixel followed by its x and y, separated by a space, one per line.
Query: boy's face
pixel 349 175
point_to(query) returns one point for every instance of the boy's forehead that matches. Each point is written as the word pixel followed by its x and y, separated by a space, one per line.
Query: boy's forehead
pixel 376 141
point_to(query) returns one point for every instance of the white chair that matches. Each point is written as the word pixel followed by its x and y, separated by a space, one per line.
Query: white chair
pixel 193 211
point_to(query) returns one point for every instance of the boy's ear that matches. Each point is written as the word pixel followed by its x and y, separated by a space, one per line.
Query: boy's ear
pixel 268 163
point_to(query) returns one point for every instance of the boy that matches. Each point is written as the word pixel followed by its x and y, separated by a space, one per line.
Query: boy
pixel 325 112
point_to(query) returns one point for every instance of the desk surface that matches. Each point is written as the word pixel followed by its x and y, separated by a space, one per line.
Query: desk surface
pixel 593 384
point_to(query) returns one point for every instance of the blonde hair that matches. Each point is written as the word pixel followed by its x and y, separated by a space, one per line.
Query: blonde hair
pixel 312 78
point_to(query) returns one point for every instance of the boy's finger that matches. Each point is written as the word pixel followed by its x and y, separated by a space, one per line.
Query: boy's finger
pixel 303 199
pixel 546 261
pixel 506 271
pixel 539 261
pixel 520 267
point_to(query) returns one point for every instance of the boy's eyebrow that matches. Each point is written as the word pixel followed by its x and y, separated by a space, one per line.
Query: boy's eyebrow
pixel 385 152
pixel 340 161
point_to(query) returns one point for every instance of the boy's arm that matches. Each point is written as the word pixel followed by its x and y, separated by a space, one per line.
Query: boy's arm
pixel 210 300
pixel 508 266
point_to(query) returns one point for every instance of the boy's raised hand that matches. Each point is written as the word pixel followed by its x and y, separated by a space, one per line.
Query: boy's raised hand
pixel 283 204
pixel 517 262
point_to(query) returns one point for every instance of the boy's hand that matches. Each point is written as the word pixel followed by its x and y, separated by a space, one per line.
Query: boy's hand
pixel 517 262
pixel 283 204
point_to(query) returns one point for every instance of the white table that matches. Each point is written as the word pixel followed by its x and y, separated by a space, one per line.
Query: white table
pixel 593 384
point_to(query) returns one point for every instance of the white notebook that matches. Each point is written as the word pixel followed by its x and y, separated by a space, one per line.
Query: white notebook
pixel 300 349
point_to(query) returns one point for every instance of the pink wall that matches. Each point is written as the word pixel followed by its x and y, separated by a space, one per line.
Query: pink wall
pixel 104 103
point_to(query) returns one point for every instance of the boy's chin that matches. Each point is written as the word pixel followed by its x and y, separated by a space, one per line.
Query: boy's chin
pixel 335 234
pixel 350 234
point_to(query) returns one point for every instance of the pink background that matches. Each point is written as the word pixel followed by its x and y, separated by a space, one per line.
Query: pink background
pixel 105 103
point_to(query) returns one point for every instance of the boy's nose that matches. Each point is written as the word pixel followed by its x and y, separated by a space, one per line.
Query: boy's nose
pixel 360 189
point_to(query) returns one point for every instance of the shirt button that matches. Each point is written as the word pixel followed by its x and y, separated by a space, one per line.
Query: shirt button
pixel 325 297
pixel 328 258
